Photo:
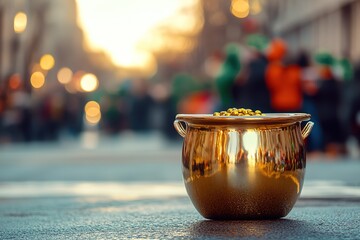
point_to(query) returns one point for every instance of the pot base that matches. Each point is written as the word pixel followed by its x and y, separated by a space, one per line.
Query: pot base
pixel 239 194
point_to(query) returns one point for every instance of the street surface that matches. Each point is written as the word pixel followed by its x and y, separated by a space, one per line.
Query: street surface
pixel 131 186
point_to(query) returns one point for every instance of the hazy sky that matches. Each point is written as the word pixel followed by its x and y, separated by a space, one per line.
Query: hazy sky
pixel 116 26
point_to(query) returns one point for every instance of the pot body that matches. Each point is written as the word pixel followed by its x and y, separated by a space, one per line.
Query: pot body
pixel 243 172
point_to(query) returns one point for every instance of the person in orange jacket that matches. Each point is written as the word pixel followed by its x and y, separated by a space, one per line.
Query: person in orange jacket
pixel 283 81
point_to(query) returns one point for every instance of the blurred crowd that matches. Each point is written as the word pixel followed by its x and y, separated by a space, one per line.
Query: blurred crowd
pixel 258 74
pixel 26 117
pixel 265 75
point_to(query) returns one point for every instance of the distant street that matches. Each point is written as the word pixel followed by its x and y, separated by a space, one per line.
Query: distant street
pixel 131 158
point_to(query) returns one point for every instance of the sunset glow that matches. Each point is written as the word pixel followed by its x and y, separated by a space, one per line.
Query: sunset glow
pixel 117 26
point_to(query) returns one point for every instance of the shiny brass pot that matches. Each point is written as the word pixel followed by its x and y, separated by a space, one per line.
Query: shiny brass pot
pixel 243 167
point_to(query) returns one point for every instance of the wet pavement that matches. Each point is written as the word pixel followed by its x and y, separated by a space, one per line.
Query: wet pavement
pixel 130 187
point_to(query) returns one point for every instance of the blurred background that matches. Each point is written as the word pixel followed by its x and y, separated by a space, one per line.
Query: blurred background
pixel 89 90
pixel 81 70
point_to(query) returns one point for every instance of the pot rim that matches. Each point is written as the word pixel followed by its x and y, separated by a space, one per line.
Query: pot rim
pixel 268 118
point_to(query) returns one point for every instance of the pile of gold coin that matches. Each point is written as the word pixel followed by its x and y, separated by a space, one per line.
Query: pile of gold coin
pixel 239 112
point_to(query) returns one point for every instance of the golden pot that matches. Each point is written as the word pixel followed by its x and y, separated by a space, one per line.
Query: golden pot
pixel 243 167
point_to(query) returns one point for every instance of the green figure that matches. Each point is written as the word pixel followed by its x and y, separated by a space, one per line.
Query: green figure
pixel 224 82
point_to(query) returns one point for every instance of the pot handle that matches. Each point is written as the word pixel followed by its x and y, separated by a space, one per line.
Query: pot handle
pixel 180 127
pixel 307 129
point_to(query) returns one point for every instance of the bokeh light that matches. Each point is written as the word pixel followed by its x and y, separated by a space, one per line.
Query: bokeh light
pixel 47 62
pixel 240 8
pixel 92 109
pixel 37 80
pixel 92 112
pixel 89 82
pixel 20 22
pixel 64 75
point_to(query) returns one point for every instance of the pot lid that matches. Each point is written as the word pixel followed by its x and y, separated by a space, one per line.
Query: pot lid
pixel 268 118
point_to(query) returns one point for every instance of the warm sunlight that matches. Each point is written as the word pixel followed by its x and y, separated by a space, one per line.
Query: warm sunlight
pixel 117 26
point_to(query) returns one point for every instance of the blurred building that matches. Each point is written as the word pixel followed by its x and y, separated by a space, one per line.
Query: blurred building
pixel 321 25
pixel 50 28
pixel 46 72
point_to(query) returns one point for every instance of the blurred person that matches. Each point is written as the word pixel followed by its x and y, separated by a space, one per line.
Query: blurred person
pixel 283 79
pixel 189 94
pixel 254 92
pixel 309 77
pixel 200 99
pixel 115 108
pixel 225 80
pixel 344 73
pixel 50 114
pixel 11 120
pixel 343 70
pixel 24 105
pixel 73 114
pixel 16 116
pixel 170 111
pixel 2 110
pixel 197 103
pixel 354 113
pixel 182 85
pixel 328 100
pixel 212 64
pixel 140 106
pixel 159 92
